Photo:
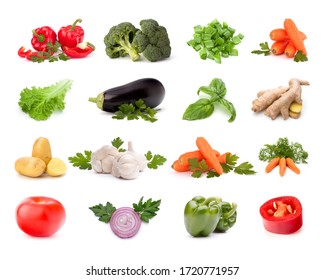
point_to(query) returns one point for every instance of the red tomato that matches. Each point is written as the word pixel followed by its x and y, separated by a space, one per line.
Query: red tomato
pixel 282 215
pixel 40 216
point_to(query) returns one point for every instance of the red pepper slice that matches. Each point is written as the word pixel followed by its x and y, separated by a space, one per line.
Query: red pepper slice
pixel 42 36
pixel 23 53
pixel 282 215
pixel 79 51
pixel 71 35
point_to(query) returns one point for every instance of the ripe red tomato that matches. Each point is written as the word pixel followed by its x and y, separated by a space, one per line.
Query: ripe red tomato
pixel 40 216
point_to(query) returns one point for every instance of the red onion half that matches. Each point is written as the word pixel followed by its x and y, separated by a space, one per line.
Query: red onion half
pixel 125 222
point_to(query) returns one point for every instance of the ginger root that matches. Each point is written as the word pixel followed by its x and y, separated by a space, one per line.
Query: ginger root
pixel 279 100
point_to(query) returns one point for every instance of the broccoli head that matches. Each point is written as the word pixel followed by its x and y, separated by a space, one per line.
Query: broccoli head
pixel 152 40
pixel 119 39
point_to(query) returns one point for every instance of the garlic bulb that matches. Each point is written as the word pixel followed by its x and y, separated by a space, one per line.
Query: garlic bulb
pixel 102 159
pixel 129 164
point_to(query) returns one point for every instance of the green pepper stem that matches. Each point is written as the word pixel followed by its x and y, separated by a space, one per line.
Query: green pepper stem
pixel 40 37
pixel 75 23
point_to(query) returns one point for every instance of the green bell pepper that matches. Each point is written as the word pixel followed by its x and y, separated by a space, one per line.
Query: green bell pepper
pixel 228 216
pixel 202 215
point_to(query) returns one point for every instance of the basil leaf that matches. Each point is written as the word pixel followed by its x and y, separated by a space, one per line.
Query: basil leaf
pixel 229 108
pixel 201 109
pixel 207 90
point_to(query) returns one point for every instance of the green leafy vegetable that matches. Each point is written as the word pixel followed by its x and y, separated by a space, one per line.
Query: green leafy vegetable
pixel 265 49
pixel 197 167
pixel 82 161
pixel 204 107
pixel 215 40
pixel 40 103
pixel 154 161
pixel 147 209
pixel 283 149
pixel 103 212
pixel 136 111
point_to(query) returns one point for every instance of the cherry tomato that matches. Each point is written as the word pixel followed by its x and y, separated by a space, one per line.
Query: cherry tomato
pixel 40 216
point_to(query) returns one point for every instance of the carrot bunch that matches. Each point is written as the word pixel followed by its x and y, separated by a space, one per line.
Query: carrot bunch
pixel 207 159
pixel 283 163
pixel 284 154
pixel 288 40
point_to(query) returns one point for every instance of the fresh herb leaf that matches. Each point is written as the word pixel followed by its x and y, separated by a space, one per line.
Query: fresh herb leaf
pixel 103 212
pixel 201 109
pixel 53 53
pixel 244 168
pixel 204 107
pixel 154 161
pixel 300 57
pixel 40 103
pixel 82 161
pixel 135 111
pixel 265 49
pixel 117 143
pixel 197 167
pixel 147 209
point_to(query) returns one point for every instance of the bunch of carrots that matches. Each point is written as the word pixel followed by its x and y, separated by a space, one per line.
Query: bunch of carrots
pixel 283 163
pixel 284 154
pixel 288 40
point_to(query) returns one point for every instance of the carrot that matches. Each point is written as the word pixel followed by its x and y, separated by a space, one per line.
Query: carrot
pixel 272 164
pixel 278 47
pixel 280 34
pixel 183 159
pixel 223 158
pixel 177 166
pixel 209 154
pixel 290 163
pixel 294 35
pixel 282 165
pixel 290 50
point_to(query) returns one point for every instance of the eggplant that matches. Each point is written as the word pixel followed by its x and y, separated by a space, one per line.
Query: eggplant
pixel 150 90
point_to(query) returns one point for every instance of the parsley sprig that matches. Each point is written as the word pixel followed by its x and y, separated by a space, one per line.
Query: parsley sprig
pixel 53 53
pixel 103 212
pixel 198 168
pixel 265 49
pixel 81 160
pixel 136 111
pixel 147 209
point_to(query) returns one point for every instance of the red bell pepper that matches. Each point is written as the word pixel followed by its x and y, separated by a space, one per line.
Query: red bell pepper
pixel 71 35
pixel 41 37
pixel 282 215
pixel 81 50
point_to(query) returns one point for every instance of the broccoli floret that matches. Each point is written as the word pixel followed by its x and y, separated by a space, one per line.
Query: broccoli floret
pixel 152 40
pixel 119 39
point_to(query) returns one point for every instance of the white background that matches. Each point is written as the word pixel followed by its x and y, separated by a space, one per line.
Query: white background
pixel 163 243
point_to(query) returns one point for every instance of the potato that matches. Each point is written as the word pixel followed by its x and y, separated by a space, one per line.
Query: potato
pixel 42 149
pixel 56 167
pixel 30 166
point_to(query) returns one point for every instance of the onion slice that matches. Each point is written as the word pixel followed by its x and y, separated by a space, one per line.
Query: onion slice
pixel 125 222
